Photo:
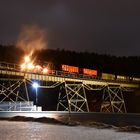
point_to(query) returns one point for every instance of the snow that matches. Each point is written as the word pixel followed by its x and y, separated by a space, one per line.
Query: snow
pixel 40 131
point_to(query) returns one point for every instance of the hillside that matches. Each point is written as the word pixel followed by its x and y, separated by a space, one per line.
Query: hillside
pixel 103 63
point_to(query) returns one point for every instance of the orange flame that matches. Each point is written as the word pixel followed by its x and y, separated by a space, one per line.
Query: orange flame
pixel 45 70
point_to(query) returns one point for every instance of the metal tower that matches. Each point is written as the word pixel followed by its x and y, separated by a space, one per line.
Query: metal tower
pixel 72 97
pixel 113 100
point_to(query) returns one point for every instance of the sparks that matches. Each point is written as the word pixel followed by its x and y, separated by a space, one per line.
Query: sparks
pixel 27 59
pixel 45 70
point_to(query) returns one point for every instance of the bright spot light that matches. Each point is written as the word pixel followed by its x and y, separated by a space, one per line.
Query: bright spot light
pixel 23 66
pixel 30 66
pixel 35 85
pixel 38 66
pixel 39 115
pixel 45 70
pixel 27 59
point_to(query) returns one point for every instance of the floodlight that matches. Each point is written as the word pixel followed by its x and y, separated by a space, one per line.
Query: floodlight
pixel 35 85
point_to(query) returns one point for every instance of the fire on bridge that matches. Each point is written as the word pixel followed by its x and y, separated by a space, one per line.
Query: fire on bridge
pixel 73 86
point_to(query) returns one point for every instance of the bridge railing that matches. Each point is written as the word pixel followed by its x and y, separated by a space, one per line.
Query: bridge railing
pixel 15 67
pixel 9 66
pixel 17 106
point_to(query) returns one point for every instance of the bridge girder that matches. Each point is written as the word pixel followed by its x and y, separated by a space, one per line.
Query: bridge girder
pixel 72 95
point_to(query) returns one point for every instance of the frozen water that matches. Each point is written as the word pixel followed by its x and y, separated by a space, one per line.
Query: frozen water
pixel 40 131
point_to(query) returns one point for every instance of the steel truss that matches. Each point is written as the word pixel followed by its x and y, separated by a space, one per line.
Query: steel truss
pixel 113 100
pixel 72 97
pixel 14 94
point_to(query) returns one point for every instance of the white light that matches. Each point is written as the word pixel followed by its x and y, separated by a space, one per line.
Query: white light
pixel 30 66
pixel 35 85
pixel 27 59
pixel 23 66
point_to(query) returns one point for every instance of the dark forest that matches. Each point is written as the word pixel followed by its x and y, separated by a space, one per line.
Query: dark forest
pixel 129 66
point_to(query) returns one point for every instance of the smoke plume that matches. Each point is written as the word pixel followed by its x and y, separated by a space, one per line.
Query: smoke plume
pixel 31 39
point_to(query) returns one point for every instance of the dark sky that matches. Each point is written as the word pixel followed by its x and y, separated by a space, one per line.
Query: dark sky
pixel 102 26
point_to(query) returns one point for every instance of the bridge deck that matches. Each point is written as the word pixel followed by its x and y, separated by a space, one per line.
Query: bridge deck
pixel 60 78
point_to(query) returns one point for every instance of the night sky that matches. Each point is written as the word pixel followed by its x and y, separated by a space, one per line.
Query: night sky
pixel 101 26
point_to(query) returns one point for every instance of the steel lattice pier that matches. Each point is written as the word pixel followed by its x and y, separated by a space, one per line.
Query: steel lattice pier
pixel 72 94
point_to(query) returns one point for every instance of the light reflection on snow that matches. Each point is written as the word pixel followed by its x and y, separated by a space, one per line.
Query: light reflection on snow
pixel 40 131
pixel 39 115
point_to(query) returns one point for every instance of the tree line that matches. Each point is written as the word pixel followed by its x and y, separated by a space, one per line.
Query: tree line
pixel 103 63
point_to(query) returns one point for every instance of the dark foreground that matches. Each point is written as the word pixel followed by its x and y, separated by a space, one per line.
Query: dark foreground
pixel 116 119
pixel 13 130
pixel 121 122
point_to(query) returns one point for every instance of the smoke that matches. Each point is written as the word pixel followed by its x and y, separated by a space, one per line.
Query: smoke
pixel 31 39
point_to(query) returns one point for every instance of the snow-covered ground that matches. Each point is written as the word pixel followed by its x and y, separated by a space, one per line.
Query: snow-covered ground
pixel 40 131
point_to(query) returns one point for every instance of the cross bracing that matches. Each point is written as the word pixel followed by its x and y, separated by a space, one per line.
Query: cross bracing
pixel 72 95
pixel 113 100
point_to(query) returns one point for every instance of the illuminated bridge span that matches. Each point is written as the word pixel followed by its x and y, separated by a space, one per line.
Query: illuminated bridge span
pixel 15 87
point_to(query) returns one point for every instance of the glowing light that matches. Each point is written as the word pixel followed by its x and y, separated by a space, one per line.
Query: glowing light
pixel 27 59
pixel 35 85
pixel 39 115
pixel 38 67
pixel 45 70
pixel 30 66
pixel 23 66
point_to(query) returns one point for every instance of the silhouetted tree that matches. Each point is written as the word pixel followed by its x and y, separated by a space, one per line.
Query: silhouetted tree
pixel 103 63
